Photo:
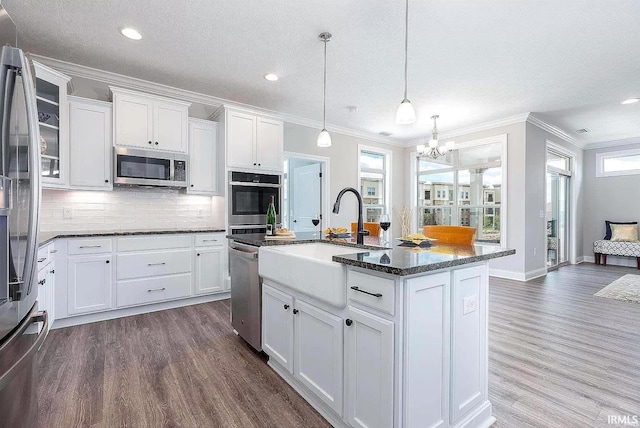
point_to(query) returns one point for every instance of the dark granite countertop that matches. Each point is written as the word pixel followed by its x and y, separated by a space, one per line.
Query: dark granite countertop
pixel 398 260
pixel 46 237
pixel 402 261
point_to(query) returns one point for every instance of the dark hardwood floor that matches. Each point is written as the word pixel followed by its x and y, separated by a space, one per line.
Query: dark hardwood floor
pixel 558 357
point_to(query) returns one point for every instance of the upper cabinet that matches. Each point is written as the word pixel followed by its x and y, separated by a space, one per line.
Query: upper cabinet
pixel 51 95
pixel 90 135
pixel 203 157
pixel 147 121
pixel 253 142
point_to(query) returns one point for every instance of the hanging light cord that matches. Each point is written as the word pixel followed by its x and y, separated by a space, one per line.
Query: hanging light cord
pixel 406 47
pixel 324 91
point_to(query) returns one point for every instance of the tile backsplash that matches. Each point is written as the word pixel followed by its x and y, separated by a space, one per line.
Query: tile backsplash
pixel 128 209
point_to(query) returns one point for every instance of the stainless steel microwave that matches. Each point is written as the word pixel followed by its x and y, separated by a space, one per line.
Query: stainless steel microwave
pixel 149 168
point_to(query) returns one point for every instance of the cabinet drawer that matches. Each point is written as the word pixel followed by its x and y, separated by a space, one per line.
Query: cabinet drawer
pixel 153 242
pixel 382 291
pixel 142 265
pixel 210 239
pixel 149 290
pixel 43 257
pixel 88 246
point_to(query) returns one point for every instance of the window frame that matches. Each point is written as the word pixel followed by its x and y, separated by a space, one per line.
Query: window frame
pixel 455 208
pixel 386 173
pixel 602 156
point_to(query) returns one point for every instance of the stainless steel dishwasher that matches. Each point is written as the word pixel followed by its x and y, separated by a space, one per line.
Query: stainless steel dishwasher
pixel 246 293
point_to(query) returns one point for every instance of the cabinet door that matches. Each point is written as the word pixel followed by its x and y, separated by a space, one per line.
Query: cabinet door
pixel 51 295
pixel 208 266
pixel 90 145
pixel 369 376
pixel 170 126
pixel 318 353
pixel 43 296
pixel 469 350
pixel 241 140
pixel 133 120
pixel 269 144
pixel 277 326
pixel 203 157
pixel 89 283
pixel 53 122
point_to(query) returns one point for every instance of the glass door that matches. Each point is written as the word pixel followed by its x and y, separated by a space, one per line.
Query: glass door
pixel 557 209
pixel 48 99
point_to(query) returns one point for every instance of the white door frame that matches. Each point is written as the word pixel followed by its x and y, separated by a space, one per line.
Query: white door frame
pixel 325 169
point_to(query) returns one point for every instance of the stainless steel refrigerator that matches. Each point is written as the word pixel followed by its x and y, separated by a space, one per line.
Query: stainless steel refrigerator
pixel 22 327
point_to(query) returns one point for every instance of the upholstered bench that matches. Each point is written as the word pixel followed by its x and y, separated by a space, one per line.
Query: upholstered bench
pixel 602 248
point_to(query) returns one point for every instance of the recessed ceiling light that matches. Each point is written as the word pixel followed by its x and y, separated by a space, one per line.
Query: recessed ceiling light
pixel 131 33
pixel 271 77
pixel 385 133
pixel 631 101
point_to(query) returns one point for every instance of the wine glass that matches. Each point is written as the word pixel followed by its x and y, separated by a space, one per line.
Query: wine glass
pixel 385 224
pixel 316 221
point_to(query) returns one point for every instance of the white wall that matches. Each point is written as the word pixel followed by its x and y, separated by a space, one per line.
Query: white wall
pixel 608 198
pixel 343 155
pixel 129 209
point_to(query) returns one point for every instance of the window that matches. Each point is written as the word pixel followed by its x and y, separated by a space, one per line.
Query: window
pixel 626 162
pixel 468 189
pixel 374 182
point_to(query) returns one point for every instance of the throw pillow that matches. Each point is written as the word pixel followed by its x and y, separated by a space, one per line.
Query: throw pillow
pixel 607 224
pixel 624 233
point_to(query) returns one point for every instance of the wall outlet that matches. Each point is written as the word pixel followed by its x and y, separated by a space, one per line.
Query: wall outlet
pixel 469 304
pixel 67 212
pixel 541 214
pixel 199 213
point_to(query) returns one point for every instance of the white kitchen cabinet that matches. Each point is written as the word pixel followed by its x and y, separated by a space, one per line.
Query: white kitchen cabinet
pixel 203 157
pixel 53 121
pixel 269 144
pixel 468 340
pixel 90 143
pixel 209 263
pixel 89 283
pixel 253 142
pixel 369 370
pixel 277 326
pixel 318 353
pixel 147 121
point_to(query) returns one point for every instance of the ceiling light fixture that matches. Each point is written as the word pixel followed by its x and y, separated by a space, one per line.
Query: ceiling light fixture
pixel 271 77
pixel 324 139
pixel 433 150
pixel 406 114
pixel 131 33
pixel 630 101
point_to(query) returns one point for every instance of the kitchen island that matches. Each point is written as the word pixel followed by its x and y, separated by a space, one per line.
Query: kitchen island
pixel 380 338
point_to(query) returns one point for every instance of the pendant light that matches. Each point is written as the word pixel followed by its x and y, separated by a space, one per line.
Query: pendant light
pixel 433 150
pixel 324 138
pixel 406 114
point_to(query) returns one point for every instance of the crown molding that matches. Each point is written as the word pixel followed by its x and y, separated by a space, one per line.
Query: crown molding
pixel 510 120
pixel 554 130
pixel 136 84
pixel 614 143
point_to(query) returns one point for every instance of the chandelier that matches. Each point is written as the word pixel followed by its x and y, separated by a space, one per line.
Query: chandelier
pixel 434 150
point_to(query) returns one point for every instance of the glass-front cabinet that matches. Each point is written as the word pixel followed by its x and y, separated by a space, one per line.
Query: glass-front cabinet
pixel 53 121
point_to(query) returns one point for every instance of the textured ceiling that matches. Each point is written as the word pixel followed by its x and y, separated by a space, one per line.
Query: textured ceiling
pixel 571 62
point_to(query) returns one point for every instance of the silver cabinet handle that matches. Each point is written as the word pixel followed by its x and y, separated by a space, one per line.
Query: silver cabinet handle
pixel 156 264
pixel 42 259
pixel 151 290
pixel 91 246
pixel 209 240
pixel 53 251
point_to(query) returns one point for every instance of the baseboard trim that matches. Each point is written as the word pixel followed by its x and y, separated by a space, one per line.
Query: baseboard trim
pixel 137 310
pixel 580 260
pixel 518 276
pixel 615 261
pixel 481 417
